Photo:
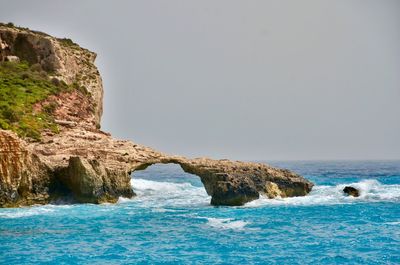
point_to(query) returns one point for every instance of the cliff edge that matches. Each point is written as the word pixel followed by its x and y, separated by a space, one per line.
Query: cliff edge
pixel 51 145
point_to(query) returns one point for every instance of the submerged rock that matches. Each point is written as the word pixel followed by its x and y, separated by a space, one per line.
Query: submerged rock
pixel 82 162
pixel 351 191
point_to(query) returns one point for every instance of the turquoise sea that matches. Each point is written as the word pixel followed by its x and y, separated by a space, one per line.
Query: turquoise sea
pixel 171 222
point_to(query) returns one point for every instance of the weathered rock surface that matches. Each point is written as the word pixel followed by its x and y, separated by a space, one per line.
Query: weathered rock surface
pixel 24 179
pixel 351 191
pixel 90 181
pixel 88 165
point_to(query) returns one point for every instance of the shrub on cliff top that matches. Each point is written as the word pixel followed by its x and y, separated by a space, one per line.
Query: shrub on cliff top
pixel 68 43
pixel 20 88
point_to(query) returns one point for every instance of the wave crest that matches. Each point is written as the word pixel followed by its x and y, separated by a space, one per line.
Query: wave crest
pixel 158 193
pixel 226 223
pixel 370 191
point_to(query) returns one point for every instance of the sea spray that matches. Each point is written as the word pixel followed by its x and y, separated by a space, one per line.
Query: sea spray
pixel 159 193
pixel 371 190
pixel 171 220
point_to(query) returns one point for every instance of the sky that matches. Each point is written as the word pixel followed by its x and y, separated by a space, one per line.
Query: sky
pixel 251 80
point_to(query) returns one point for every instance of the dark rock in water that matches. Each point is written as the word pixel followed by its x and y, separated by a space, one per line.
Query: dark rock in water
pixel 226 194
pixel 351 191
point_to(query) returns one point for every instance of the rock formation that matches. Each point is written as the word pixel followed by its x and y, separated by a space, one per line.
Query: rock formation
pixel 351 191
pixel 81 162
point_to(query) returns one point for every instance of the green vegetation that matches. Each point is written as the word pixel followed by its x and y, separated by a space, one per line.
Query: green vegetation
pixel 68 43
pixel 11 25
pixel 21 86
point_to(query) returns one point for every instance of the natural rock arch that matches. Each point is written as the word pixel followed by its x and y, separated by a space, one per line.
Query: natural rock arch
pixel 235 183
pixel 227 182
pixel 87 163
pixel 97 171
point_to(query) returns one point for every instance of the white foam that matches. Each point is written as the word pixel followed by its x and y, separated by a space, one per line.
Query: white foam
pixel 226 223
pixel 370 191
pixel 393 223
pixel 124 200
pixel 158 194
pixel 25 212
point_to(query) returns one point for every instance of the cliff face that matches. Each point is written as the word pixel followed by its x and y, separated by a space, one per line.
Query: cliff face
pixel 80 162
pixel 60 58
pixel 23 177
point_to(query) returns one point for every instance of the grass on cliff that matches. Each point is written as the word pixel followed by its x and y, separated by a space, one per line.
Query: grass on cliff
pixel 21 86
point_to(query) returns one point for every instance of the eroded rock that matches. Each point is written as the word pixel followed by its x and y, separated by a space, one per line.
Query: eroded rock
pixel 89 181
pixel 24 179
pixel 272 190
pixel 93 167
pixel 235 182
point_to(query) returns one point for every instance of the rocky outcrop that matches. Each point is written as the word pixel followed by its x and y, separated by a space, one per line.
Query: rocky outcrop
pixel 24 179
pixel 235 183
pixel 93 167
pixel 90 181
pixel 82 163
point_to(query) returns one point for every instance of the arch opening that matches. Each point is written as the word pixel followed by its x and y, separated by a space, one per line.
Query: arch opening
pixel 168 185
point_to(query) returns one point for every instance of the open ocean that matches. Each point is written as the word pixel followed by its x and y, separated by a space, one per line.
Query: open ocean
pixel 171 222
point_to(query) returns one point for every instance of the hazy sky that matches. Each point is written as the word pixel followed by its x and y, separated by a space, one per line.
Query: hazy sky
pixel 240 79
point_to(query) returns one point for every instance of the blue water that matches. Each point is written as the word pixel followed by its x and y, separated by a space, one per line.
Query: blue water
pixel 171 222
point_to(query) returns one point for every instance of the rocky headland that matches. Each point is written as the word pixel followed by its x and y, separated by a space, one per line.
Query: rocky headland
pixel 51 145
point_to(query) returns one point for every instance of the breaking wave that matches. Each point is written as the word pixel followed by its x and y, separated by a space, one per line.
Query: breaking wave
pixel 370 191
pixel 21 212
pixel 160 196
pixel 226 223
pixel 158 193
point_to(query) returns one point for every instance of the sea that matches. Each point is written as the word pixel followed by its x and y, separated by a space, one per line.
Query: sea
pixel 171 221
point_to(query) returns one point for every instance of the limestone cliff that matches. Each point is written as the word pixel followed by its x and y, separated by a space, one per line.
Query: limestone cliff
pixel 80 162
pixel 61 58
